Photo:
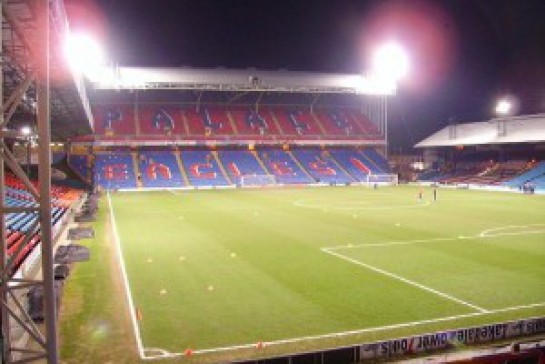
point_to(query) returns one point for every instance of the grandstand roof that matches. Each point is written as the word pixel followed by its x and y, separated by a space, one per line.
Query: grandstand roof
pixel 70 110
pixel 220 79
pixel 520 129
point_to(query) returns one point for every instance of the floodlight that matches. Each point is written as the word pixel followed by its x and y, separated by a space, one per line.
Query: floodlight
pixel 390 62
pixel 83 53
pixel 25 130
pixel 503 107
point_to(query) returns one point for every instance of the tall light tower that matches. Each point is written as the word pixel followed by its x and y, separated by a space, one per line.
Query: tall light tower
pixel 390 64
pixel 504 108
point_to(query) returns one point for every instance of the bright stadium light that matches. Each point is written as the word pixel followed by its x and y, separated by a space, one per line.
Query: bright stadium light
pixel 25 130
pixel 390 63
pixel 84 54
pixel 503 107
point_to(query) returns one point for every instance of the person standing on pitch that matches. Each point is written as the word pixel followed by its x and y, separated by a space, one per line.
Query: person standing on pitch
pixel 434 193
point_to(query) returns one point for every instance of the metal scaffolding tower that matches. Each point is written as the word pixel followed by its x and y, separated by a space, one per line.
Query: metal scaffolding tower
pixel 31 33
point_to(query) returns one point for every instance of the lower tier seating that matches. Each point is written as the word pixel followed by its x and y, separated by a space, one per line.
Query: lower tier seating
pixel 160 169
pixel 19 224
pixel 200 168
pixel 322 167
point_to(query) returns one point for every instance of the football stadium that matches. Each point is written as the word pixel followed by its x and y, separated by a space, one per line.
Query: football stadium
pixel 205 215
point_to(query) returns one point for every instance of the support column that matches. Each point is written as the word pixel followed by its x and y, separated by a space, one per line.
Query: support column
pixel 4 317
pixel 44 178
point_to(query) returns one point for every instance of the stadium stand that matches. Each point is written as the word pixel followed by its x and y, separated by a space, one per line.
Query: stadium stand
pixel 163 168
pixel 535 175
pixel 202 168
pixel 18 224
pixel 155 121
pixel 160 169
pixel 378 164
pixel 57 157
pixel 353 162
pixel 284 167
pixel 114 120
pixel 239 163
pixel 160 120
pixel 320 165
pixel 80 164
pixel 251 123
pixel 115 170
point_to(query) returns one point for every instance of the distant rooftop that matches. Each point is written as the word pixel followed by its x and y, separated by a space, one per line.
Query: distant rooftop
pixel 519 129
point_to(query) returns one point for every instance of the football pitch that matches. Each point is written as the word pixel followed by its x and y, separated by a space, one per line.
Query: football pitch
pixel 219 271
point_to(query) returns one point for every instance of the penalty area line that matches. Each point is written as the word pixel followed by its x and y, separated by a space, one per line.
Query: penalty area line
pixel 128 294
pixel 166 354
pixel 405 280
pixel 486 234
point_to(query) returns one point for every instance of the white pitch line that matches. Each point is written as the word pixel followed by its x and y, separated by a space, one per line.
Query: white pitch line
pixel 481 235
pixel 128 294
pixel 339 206
pixel 407 281
pixel 486 232
pixel 514 233
pixel 403 242
pixel 350 332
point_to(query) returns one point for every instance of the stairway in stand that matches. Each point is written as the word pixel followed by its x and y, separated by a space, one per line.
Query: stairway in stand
pixel 136 167
pixel 222 169
pixel 296 161
pixel 232 122
pixel 182 169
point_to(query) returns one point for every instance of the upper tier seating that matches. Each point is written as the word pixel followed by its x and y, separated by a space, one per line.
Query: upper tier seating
pixel 304 122
pixel 202 169
pixel 160 169
pixel 240 163
pixel 366 125
pixel 336 125
pixel 154 121
pixel 161 120
pixel 216 121
pixel 251 123
pixel 208 122
pixel 115 170
pixel 114 120
pixel 321 166
pixel 283 167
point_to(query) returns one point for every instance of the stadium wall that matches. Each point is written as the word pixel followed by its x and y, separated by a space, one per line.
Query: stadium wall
pixel 429 344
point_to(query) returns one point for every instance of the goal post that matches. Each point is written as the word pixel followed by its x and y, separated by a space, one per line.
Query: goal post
pixel 382 179
pixel 257 180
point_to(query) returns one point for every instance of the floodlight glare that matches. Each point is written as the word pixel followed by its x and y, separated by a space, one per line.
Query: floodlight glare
pixel 503 107
pixel 25 130
pixel 83 53
pixel 390 62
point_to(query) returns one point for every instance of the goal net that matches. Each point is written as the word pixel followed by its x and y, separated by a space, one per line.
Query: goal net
pixel 381 179
pixel 257 180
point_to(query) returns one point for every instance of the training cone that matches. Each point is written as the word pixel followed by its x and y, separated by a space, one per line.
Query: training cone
pixel 188 352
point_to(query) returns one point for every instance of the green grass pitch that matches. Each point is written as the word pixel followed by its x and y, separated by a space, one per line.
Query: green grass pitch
pixel 218 271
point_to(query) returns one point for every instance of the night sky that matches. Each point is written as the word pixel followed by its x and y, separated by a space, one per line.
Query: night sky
pixel 464 54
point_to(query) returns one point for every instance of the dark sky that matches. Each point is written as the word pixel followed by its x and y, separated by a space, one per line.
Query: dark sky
pixel 464 54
